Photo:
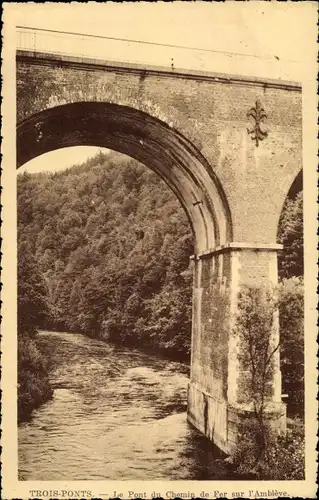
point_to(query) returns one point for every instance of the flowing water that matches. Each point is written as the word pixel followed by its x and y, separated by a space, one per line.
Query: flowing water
pixel 116 413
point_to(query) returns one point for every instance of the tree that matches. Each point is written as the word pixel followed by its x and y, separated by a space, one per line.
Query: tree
pixel 291 301
pixel 32 293
pixel 290 234
pixel 33 382
pixel 291 318
pixel 254 325
pixel 260 450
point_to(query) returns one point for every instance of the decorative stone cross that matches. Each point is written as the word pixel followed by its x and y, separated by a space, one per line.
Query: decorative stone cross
pixel 258 114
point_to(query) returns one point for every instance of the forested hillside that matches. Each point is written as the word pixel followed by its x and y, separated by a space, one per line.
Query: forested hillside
pixel 112 244
pixel 104 249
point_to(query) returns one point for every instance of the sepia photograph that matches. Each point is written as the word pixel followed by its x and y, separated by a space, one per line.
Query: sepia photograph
pixel 159 172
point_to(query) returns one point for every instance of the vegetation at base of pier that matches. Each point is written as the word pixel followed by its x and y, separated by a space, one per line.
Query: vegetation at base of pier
pixel 282 459
pixel 108 246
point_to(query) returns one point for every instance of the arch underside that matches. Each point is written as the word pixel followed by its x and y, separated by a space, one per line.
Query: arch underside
pixel 148 140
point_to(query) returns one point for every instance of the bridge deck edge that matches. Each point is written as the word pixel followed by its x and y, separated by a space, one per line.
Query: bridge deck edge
pixel 91 63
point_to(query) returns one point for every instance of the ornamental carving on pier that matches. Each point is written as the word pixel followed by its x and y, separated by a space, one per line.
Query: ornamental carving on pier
pixel 257 113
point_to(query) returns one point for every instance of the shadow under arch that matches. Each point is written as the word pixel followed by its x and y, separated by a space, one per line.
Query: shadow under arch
pixel 145 138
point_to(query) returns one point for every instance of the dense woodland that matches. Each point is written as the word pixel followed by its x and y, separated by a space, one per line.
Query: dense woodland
pixel 104 249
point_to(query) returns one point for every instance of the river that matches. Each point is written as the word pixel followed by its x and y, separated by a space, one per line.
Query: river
pixel 116 413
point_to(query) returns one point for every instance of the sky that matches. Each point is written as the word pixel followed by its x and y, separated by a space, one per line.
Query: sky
pixel 271 39
pixel 60 159
pixel 259 28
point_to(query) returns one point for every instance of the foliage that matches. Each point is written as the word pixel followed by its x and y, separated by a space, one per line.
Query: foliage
pixel 291 302
pixel 290 234
pixel 284 459
pixel 32 292
pixel 33 383
pixel 254 325
pixel 261 451
pixel 291 317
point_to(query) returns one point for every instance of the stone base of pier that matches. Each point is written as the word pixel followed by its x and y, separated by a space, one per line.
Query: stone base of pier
pixel 221 422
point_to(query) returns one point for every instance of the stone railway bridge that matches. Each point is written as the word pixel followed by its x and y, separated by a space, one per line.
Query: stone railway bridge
pixel 229 147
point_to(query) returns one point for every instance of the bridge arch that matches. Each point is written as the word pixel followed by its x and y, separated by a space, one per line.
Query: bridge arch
pixel 148 140
pixel 221 265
